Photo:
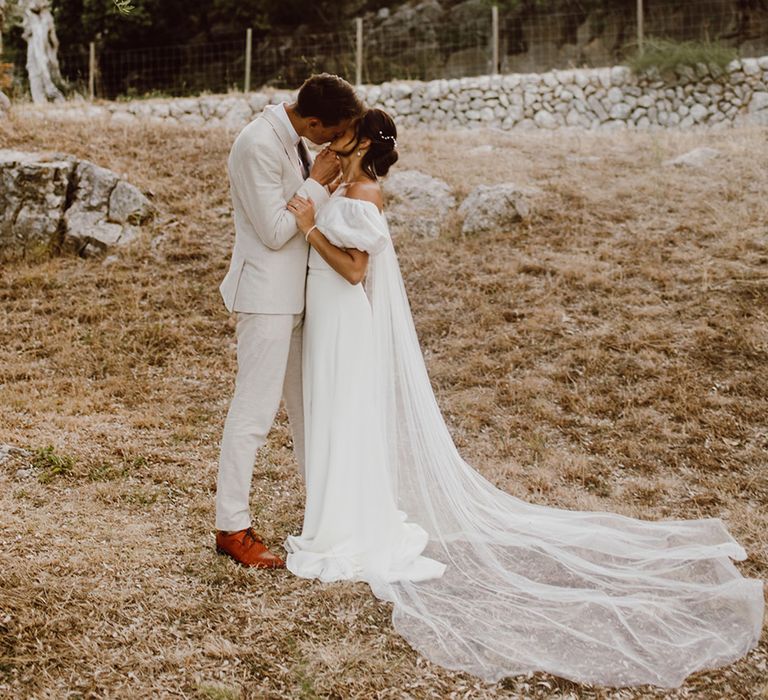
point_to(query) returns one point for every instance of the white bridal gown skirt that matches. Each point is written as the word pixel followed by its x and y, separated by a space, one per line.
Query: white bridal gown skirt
pixel 352 529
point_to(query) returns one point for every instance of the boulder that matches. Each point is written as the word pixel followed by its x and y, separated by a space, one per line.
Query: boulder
pixel 33 197
pixel 697 158
pixel 105 210
pixel 47 201
pixel 417 203
pixel 495 207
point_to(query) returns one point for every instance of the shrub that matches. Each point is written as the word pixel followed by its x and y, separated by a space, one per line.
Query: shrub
pixel 666 55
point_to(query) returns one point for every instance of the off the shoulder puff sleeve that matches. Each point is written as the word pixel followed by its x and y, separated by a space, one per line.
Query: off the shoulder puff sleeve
pixel 353 223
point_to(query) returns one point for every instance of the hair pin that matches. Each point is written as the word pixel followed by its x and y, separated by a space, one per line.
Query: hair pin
pixel 388 138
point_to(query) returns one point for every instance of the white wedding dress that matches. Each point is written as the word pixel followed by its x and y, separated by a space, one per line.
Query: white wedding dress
pixel 481 581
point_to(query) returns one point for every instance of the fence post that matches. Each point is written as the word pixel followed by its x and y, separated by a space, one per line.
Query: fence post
pixel 358 50
pixel 640 27
pixel 91 70
pixel 248 54
pixel 495 39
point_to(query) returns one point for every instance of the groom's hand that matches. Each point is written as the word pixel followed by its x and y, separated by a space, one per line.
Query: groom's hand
pixel 326 167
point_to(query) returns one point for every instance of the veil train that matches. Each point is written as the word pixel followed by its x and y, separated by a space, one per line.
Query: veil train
pixel 589 596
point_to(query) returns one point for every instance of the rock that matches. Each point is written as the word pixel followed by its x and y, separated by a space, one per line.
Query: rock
pixel 417 203
pixel 401 90
pixel 550 79
pixel 5 103
pixel 545 120
pixel 758 103
pixel 620 111
pixel 7 450
pixel 128 205
pixel 194 120
pixel 33 197
pixel 750 66
pixel 495 207
pixel 597 107
pixel 487 114
pixel 186 105
pixel 620 75
pixel 124 119
pixel 699 113
pixel 697 158
pixel 645 101
pixel 238 116
pixel 208 107
pixel 581 77
pixel 48 201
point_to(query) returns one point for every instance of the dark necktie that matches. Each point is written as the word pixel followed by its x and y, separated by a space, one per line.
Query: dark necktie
pixel 304 157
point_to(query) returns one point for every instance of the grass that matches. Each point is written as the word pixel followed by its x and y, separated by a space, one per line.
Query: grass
pixel 49 464
pixel 666 55
pixel 610 353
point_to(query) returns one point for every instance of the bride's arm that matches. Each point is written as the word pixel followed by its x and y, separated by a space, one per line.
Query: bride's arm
pixel 350 263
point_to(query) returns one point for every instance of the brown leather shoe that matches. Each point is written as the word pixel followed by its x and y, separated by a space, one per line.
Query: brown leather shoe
pixel 246 548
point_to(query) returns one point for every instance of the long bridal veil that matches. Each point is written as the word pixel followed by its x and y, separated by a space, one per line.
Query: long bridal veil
pixel 589 596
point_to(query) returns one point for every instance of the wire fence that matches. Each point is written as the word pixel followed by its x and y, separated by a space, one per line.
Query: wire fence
pixel 531 38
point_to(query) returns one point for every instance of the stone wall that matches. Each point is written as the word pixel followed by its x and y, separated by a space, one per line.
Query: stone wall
pixel 582 98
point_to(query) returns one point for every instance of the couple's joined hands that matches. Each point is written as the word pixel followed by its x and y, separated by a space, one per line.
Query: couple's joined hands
pixel 327 171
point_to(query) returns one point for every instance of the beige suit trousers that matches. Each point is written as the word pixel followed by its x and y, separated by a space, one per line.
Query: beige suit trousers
pixel 268 367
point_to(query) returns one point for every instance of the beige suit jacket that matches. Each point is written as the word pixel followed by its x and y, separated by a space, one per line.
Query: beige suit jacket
pixel 268 270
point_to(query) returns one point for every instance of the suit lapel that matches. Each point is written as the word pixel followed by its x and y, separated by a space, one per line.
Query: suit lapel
pixel 285 139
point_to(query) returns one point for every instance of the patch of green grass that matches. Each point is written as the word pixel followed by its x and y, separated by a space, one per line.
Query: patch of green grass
pixel 106 472
pixel 218 692
pixel 666 55
pixel 50 464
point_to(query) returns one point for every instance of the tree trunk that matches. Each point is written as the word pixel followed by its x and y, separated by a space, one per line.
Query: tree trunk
pixel 4 101
pixel 42 45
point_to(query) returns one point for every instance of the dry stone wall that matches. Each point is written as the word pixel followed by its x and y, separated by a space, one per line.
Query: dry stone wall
pixel 604 98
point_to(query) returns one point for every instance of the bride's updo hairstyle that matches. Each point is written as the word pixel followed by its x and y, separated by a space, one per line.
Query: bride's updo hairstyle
pixel 377 126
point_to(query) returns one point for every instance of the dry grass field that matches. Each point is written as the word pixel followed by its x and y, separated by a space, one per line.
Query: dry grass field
pixel 611 353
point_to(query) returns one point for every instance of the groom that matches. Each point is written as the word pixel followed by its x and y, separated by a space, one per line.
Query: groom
pixel 269 163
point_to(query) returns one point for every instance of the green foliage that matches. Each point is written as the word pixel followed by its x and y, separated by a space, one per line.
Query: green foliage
pixel 50 464
pixel 124 7
pixel 665 55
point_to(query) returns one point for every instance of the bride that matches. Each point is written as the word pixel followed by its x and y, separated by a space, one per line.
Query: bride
pixel 480 580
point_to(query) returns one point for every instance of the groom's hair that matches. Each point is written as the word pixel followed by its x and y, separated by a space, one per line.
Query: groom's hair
pixel 329 98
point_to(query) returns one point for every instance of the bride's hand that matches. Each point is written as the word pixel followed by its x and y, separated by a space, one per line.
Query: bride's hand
pixel 304 211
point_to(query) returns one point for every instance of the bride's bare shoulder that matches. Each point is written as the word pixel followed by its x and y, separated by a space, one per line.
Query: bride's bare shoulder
pixel 369 191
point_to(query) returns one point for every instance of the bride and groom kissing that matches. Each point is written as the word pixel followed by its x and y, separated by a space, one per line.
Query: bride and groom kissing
pixel 479 580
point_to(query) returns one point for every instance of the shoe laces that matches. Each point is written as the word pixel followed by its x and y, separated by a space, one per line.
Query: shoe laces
pixel 250 533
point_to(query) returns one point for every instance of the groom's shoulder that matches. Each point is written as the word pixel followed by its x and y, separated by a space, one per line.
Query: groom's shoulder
pixel 256 137
pixel 258 129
